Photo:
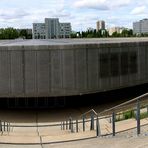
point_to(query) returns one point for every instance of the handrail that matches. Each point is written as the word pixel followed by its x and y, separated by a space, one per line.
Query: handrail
pixel 91 110
pixel 123 104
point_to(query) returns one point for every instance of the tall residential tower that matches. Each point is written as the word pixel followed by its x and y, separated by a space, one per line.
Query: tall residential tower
pixel 100 25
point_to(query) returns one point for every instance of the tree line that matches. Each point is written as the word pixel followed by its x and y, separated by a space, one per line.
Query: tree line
pixel 12 33
pixel 105 33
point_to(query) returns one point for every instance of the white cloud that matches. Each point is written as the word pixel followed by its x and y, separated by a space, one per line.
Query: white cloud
pixel 93 4
pixel 101 4
pixel 138 10
pixel 12 13
pixel 120 3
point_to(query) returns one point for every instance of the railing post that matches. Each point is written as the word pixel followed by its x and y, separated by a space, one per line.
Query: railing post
pixel 4 126
pixel 72 130
pixel 138 117
pixel 113 123
pixel 83 118
pixel 63 125
pixel 92 121
pixel 7 127
pixel 66 125
pixel 70 120
pixel 97 127
pixel 77 126
pixel 0 125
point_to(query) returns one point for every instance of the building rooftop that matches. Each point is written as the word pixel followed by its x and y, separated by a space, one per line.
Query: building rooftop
pixel 21 42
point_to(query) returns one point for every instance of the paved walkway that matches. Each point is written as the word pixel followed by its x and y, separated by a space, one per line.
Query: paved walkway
pixel 52 134
pixel 36 133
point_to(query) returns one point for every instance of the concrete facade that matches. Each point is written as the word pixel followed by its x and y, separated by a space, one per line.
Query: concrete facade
pixel 71 67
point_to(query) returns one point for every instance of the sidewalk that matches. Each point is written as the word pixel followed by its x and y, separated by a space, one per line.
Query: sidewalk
pixel 31 135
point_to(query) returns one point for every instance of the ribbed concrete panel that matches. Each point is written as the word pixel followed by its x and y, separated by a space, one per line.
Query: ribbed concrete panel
pixel 124 70
pixel 43 72
pixel 93 69
pixel 81 69
pixel 4 72
pixel 68 70
pixel 115 67
pixel 17 79
pixel 30 73
pixel 133 65
pixel 104 68
pixel 146 61
pixel 142 65
pixel 56 71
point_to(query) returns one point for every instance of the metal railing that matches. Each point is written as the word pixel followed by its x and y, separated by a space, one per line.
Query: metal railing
pixel 94 118
pixel 4 127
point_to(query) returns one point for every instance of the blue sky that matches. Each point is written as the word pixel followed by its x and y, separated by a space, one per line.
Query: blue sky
pixel 81 13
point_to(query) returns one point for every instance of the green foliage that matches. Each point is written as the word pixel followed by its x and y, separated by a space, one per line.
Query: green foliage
pixel 11 33
pixel 143 115
pixel 92 34
pixel 24 34
pixel 128 115
pixel 8 33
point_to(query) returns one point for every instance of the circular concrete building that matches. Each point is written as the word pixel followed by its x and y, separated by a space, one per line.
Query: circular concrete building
pixel 55 68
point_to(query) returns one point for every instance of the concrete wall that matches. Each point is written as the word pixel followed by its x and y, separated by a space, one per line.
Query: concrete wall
pixel 62 70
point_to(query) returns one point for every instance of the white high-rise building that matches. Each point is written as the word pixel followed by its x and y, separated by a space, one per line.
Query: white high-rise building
pixel 140 26
pixel 51 29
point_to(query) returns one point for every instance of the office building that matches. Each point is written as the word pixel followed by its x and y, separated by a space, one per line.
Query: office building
pixel 140 27
pixel 65 30
pixel 39 31
pixel 51 29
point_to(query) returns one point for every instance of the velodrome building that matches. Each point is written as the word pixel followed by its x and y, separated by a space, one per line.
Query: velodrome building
pixel 43 69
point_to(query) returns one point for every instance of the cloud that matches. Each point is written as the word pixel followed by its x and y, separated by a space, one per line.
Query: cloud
pixel 92 4
pixel 120 3
pixel 138 10
pixel 12 14
pixel 101 4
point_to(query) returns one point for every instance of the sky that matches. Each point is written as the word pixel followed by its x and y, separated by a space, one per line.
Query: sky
pixel 81 13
